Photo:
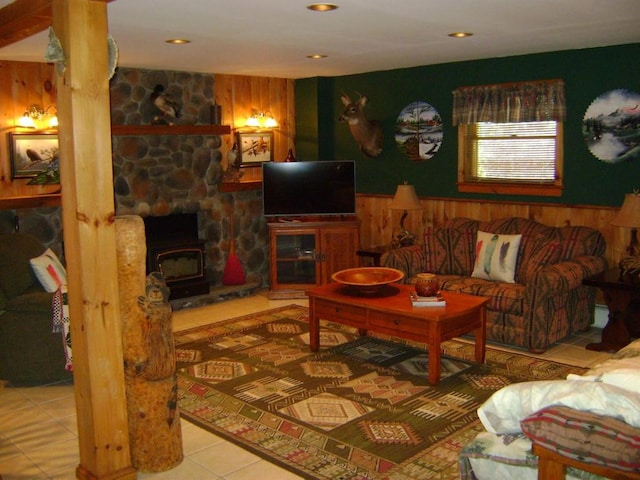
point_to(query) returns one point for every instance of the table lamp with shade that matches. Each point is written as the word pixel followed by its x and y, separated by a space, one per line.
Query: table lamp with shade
pixel 629 216
pixel 405 199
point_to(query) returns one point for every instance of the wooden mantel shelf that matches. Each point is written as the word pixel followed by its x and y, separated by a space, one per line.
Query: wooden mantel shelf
pixel 170 129
pixel 240 186
pixel 35 201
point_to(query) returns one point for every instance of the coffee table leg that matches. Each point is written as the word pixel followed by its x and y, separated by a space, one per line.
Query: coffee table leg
pixel 480 335
pixel 434 362
pixel 314 327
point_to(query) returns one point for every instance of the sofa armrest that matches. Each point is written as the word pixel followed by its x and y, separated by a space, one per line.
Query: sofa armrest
pixel 30 353
pixel 557 288
pixel 600 444
pixel 566 275
pixel 409 260
pixel 31 302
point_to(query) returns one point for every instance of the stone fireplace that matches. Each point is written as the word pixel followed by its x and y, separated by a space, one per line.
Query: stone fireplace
pixel 161 175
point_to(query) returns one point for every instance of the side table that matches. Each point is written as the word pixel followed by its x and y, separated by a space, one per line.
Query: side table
pixel 373 253
pixel 623 300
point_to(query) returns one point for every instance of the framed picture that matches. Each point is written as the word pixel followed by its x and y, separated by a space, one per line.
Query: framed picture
pixel 32 153
pixel 255 148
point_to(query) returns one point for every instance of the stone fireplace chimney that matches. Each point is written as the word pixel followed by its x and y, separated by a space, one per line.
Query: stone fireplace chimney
pixel 158 175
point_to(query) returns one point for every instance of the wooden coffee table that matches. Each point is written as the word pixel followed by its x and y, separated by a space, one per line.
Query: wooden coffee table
pixel 391 312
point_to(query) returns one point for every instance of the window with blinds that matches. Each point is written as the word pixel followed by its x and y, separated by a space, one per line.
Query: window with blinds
pixel 494 155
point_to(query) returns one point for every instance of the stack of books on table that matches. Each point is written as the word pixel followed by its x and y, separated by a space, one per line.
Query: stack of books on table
pixel 435 301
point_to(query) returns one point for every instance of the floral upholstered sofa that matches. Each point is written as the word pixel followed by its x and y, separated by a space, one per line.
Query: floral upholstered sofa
pixel 590 423
pixel 532 274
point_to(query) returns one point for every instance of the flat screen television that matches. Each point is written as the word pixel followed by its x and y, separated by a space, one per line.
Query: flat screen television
pixel 293 189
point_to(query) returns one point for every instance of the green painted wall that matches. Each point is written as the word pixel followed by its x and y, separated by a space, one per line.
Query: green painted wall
pixel 587 73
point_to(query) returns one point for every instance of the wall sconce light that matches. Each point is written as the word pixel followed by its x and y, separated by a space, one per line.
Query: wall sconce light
pixel 37 112
pixel 261 119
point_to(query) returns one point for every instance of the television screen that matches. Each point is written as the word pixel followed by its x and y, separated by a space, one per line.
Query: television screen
pixel 309 188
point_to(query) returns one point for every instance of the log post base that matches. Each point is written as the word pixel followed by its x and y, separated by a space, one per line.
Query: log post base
pixel 151 386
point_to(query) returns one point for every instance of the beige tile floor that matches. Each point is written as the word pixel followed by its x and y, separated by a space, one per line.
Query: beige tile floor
pixel 38 432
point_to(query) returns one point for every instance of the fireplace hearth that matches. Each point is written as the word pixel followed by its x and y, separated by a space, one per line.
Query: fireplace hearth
pixel 175 250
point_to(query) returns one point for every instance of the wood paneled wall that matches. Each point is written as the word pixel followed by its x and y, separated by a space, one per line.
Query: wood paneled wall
pixel 378 222
pixel 239 94
pixel 25 83
pixel 21 84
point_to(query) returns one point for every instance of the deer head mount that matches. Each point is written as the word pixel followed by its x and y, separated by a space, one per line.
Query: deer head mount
pixel 367 133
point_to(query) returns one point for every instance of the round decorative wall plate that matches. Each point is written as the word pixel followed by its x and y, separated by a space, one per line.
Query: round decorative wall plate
pixel 611 126
pixel 419 131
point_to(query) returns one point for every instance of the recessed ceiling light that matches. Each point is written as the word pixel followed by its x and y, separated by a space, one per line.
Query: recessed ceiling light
pixel 316 56
pixel 460 34
pixel 178 41
pixel 322 7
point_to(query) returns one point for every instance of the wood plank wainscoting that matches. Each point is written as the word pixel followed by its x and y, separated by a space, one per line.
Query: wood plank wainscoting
pixel 377 221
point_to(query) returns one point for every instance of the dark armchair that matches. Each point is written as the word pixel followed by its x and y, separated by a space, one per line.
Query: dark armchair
pixel 30 353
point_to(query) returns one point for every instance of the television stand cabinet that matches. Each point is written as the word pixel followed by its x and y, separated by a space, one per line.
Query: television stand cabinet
pixel 304 254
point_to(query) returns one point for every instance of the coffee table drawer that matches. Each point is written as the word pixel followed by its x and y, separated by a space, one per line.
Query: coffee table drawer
pixel 347 314
pixel 388 322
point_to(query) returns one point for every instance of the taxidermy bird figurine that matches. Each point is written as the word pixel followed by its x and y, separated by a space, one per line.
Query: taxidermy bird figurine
pixel 234 160
pixel 165 103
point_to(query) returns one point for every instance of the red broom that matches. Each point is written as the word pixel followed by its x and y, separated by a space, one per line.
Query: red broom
pixel 233 273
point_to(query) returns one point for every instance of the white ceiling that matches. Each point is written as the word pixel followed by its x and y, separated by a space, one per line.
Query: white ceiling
pixel 272 38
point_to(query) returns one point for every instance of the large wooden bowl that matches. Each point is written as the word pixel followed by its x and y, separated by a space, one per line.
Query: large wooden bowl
pixel 368 280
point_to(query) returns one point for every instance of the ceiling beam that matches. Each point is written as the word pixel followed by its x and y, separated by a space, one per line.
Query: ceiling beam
pixel 24 18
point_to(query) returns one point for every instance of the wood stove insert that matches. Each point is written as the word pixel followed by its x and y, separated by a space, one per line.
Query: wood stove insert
pixel 174 249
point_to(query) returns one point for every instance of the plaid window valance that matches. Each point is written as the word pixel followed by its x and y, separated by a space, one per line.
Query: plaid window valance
pixel 535 101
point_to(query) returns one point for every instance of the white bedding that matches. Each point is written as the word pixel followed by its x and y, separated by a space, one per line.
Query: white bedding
pixel 622 372
pixel 504 410
pixel 612 388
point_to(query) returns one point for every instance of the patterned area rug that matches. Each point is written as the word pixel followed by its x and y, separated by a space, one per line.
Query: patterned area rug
pixel 360 408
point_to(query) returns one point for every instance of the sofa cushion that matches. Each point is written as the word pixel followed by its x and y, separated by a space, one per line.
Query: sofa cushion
pixel 503 297
pixel 449 250
pixel 462 244
pixel 436 247
pixel 496 256
pixel 536 254
pixel 50 272
pixel 585 436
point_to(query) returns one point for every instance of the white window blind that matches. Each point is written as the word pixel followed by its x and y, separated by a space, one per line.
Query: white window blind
pixel 516 152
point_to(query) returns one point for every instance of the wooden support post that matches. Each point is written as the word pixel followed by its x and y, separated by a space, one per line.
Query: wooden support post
pixel 90 241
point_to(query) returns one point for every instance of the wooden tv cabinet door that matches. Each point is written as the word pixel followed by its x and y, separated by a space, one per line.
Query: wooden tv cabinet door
pixel 304 254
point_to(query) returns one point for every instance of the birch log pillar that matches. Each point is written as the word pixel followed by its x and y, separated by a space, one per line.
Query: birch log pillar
pixel 155 435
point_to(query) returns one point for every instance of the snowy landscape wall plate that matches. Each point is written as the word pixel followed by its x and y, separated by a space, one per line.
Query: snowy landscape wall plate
pixel 611 126
pixel 419 131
